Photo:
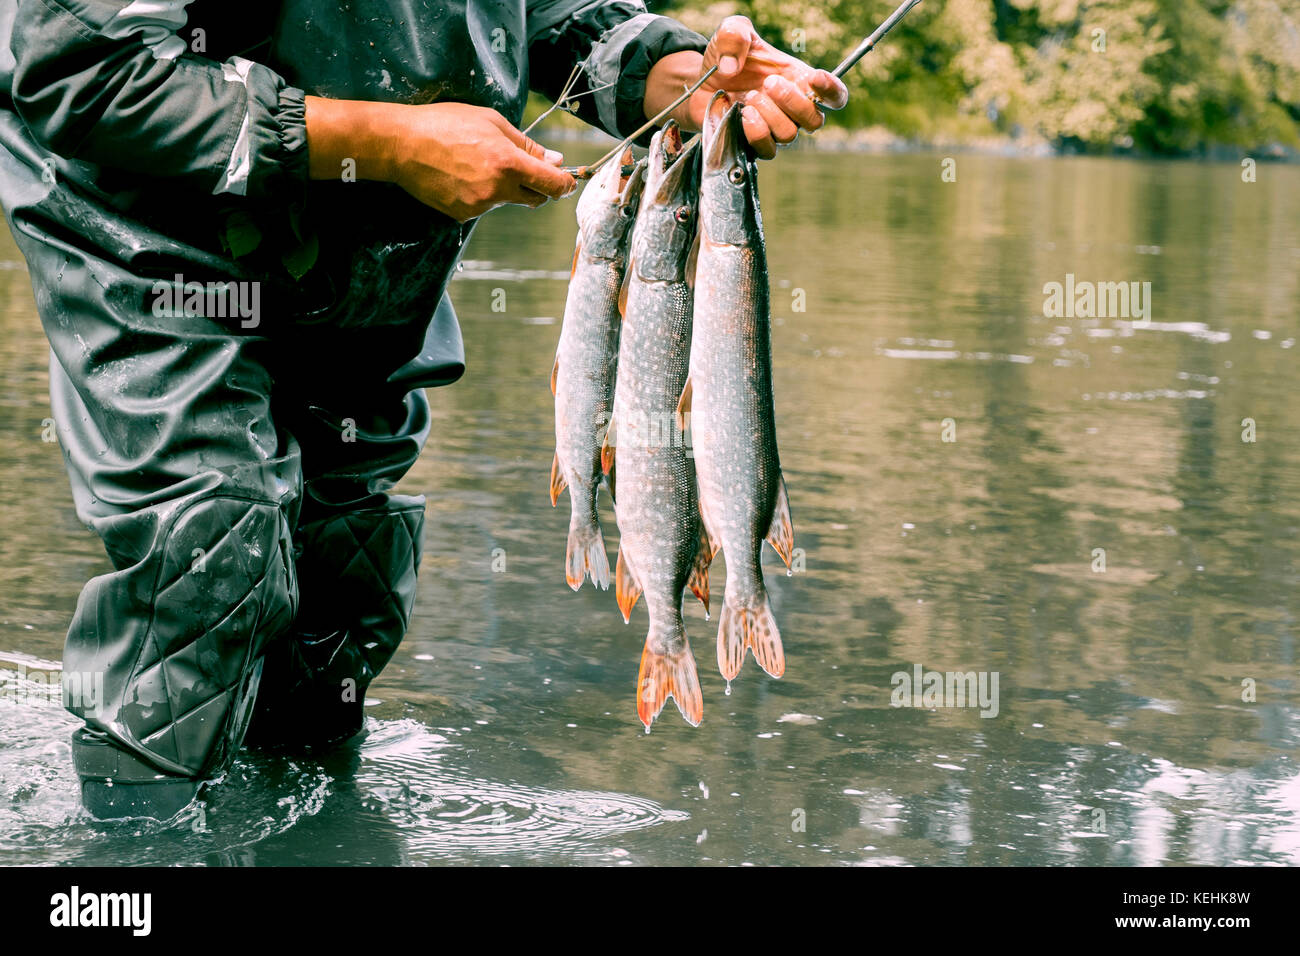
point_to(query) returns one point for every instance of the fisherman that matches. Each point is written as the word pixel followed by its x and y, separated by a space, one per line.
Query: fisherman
pixel 326 164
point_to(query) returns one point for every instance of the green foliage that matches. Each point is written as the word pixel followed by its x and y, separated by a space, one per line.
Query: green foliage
pixel 1166 76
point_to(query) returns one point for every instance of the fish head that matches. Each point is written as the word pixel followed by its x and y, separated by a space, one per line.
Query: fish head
pixel 607 207
pixel 729 182
pixel 666 221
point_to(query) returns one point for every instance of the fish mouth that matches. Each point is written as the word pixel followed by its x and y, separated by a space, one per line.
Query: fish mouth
pixel 612 180
pixel 665 147
pixel 668 163
pixel 626 170
pixel 680 174
pixel 631 180
pixel 670 142
pixel 724 133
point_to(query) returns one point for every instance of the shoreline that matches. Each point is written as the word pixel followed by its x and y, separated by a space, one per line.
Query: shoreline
pixel 877 140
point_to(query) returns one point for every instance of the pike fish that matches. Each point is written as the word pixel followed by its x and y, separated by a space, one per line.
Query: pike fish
pixel 729 394
pixel 582 379
pixel 662 547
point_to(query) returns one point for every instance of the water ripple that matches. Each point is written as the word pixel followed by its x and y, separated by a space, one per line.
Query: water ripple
pixel 443 809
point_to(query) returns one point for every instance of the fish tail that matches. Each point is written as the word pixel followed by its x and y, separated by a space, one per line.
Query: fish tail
pixel 586 556
pixel 753 628
pixel 668 675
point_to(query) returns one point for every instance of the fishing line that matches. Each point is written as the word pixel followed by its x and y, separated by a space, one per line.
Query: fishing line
pixel 565 100
pixel 586 172
pixel 858 52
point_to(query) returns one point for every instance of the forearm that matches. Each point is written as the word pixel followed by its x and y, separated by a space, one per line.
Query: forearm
pixel 340 132
pixel 668 79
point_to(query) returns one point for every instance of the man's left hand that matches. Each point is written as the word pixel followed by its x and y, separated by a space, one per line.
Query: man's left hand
pixel 773 86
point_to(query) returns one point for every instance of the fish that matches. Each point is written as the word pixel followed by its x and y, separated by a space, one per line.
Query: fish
pixel 728 397
pixel 662 545
pixel 582 378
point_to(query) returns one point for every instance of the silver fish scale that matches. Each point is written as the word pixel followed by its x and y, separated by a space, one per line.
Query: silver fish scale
pixel 733 417
pixel 588 359
pixel 657 507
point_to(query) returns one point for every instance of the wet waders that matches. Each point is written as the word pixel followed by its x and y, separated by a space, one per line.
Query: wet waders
pixel 238 467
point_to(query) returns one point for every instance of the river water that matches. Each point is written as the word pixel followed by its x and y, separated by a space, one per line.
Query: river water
pixel 1077 505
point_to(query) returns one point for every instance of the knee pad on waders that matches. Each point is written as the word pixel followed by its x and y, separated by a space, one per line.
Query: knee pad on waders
pixel 178 637
pixel 357 581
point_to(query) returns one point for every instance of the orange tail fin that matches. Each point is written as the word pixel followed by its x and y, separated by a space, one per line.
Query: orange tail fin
pixel 668 675
pixel 586 556
pixel 741 628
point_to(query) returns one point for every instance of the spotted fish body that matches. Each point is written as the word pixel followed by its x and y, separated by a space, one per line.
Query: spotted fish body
pixel 586 360
pixel 742 493
pixel 661 546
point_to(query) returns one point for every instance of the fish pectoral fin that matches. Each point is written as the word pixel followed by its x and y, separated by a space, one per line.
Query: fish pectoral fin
pixel 555 373
pixel 626 588
pixel 684 407
pixel 558 482
pixel 781 533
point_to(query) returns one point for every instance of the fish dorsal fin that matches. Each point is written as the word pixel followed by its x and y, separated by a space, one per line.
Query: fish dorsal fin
pixel 693 259
pixel 781 533
pixel 555 373
pixel 684 408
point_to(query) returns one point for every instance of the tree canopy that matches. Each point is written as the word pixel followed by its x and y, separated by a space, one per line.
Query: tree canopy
pixel 1161 76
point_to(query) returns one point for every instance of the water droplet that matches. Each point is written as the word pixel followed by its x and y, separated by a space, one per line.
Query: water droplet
pixel 728 688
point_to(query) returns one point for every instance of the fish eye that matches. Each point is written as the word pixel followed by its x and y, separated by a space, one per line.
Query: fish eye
pixel 626 211
pixel 683 213
pixel 736 174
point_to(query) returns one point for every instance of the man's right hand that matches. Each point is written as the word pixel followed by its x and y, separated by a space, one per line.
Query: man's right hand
pixel 462 160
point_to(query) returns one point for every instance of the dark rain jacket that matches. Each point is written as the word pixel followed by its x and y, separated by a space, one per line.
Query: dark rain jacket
pixel 168 136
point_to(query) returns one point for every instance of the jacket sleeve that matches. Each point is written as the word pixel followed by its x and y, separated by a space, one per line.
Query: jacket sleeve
pixel 616 40
pixel 111 82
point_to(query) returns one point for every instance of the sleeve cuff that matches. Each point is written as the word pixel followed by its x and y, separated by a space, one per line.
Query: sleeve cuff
pixel 291 134
pixel 660 37
pixel 278 148
pixel 620 62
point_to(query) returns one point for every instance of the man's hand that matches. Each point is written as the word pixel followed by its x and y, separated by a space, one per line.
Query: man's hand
pixel 774 86
pixel 462 160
